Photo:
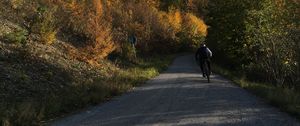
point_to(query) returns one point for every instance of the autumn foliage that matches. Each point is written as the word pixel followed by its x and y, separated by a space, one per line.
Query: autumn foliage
pixel 85 20
pixel 158 31
pixel 96 28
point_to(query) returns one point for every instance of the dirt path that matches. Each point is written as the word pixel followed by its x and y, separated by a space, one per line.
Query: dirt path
pixel 180 96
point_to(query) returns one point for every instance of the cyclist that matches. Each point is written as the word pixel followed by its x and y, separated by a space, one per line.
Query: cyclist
pixel 203 55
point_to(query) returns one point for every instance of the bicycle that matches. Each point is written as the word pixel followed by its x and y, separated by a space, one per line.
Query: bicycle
pixel 206 71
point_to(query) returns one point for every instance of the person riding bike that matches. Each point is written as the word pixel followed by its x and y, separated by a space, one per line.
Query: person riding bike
pixel 203 55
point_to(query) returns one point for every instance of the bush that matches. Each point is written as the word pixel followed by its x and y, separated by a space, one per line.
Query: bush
pixel 157 31
pixel 85 19
pixel 274 39
pixel 44 24
pixel 18 36
pixel 193 32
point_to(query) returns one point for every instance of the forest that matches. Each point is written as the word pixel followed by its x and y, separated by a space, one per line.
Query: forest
pixel 261 41
pixel 58 56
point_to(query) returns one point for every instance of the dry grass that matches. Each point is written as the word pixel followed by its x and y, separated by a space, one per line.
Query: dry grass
pixel 44 77
pixel 37 87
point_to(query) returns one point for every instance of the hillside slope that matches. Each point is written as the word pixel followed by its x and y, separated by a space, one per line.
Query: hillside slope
pixel 41 81
pixel 58 56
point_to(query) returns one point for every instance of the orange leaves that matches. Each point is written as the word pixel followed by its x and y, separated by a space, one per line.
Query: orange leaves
pixel 101 22
pixel 194 25
pixel 180 29
pixel 85 19
pixel 175 20
pixel 98 7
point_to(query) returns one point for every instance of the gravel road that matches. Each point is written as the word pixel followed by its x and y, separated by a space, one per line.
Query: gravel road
pixel 180 96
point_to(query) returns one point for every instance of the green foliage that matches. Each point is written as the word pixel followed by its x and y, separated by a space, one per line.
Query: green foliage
pixel 18 36
pixel 43 23
pixel 128 51
pixel 226 34
pixel 259 37
pixel 268 33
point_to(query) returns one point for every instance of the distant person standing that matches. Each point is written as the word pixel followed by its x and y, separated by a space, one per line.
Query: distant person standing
pixel 133 41
pixel 203 55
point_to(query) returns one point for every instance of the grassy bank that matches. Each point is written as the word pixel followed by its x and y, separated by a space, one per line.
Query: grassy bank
pixel 287 100
pixel 46 105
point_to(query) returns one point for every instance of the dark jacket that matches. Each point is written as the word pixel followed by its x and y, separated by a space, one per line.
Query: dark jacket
pixel 203 53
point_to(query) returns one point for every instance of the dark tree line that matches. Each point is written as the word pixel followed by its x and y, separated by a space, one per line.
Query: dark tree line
pixel 259 38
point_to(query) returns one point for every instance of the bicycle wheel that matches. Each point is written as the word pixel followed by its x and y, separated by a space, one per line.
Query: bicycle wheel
pixel 206 71
pixel 208 78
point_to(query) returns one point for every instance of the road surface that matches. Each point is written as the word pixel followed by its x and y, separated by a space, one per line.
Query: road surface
pixel 180 96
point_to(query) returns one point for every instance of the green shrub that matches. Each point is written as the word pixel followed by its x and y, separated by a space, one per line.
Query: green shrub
pixel 44 24
pixel 18 36
pixel 128 51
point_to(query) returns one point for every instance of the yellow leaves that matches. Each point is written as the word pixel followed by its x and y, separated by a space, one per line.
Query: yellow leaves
pixel 71 5
pixel 184 29
pixel 194 25
pixel 94 20
pixel 85 18
pixel 16 3
pixel 175 20
pixel 98 7
pixel 48 37
pixel 169 23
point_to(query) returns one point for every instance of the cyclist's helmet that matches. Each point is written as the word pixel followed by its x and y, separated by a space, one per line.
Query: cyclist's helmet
pixel 202 45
